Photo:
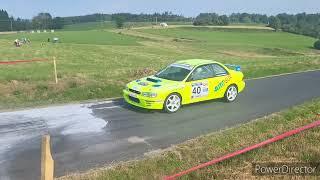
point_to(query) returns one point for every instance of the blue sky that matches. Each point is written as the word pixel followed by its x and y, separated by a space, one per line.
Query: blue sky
pixel 28 9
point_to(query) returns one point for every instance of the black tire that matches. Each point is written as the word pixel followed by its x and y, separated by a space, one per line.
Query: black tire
pixel 231 93
pixel 172 97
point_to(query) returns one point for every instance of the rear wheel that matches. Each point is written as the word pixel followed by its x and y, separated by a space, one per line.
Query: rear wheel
pixel 172 103
pixel 231 93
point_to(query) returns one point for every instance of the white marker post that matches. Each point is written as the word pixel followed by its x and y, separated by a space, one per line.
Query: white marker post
pixel 55 69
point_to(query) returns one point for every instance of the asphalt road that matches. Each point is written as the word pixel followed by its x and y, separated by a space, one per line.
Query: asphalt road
pixel 84 136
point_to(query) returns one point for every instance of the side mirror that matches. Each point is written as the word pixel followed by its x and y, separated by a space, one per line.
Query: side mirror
pixel 238 68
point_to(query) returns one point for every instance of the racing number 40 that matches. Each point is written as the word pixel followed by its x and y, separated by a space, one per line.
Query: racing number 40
pixel 196 90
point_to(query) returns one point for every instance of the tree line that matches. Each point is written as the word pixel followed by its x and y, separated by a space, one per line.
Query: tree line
pixel 215 19
pixel 159 17
pixel 204 19
pixel 41 21
pixel 5 21
pixel 46 21
pixel 305 24
pixel 86 18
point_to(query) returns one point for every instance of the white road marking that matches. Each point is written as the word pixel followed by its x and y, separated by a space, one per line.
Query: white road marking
pixel 82 104
pixel 283 74
pixel 99 102
pixel 109 107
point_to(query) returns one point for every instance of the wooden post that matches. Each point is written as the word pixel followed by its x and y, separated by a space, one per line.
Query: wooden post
pixel 55 69
pixel 47 163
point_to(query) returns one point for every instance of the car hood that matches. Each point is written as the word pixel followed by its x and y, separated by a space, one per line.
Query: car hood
pixel 153 84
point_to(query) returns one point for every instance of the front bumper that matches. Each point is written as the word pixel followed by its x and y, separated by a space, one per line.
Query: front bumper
pixel 142 101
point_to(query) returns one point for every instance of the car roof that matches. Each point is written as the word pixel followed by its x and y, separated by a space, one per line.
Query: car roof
pixel 194 62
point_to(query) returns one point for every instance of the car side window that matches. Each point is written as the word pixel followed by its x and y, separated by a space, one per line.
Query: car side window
pixel 219 70
pixel 202 72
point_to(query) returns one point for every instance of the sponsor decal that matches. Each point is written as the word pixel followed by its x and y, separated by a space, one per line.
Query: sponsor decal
pixel 222 83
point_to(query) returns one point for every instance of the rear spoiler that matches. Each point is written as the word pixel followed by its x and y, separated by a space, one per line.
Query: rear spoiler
pixel 233 67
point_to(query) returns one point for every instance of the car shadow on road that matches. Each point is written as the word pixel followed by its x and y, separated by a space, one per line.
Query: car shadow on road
pixel 136 109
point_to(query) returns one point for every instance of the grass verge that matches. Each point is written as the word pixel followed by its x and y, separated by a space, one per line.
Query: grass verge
pixel 303 147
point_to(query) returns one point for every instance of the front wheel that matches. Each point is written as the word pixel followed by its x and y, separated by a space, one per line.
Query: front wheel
pixel 172 103
pixel 231 93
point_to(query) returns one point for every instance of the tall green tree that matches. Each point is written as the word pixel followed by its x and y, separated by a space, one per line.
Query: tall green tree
pixel 275 23
pixel 224 20
pixel 42 21
pixel 316 45
pixel 119 20
pixel 5 22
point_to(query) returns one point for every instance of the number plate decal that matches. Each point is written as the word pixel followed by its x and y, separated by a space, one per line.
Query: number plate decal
pixel 133 95
pixel 199 89
pixel 135 88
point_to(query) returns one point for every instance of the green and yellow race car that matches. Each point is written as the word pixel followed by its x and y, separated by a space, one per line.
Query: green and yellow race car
pixel 185 82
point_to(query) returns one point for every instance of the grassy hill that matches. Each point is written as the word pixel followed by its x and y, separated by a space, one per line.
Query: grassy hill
pixel 236 38
pixel 89 26
pixel 112 25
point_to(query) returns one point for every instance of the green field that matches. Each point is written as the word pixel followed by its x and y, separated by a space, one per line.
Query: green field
pixel 241 39
pixel 89 26
pixel 98 63
pixel 112 25
pixel 78 37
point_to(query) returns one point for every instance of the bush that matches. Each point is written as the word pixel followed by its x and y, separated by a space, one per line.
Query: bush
pixel 316 45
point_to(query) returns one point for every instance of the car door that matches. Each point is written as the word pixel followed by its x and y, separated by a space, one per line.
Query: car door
pixel 199 84
pixel 220 81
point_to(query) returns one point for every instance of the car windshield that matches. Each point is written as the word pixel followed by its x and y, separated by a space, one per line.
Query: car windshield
pixel 174 73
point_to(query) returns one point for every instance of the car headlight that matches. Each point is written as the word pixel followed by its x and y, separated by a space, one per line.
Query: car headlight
pixel 149 94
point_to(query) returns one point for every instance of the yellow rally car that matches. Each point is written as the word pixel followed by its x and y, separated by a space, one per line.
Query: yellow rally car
pixel 185 82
